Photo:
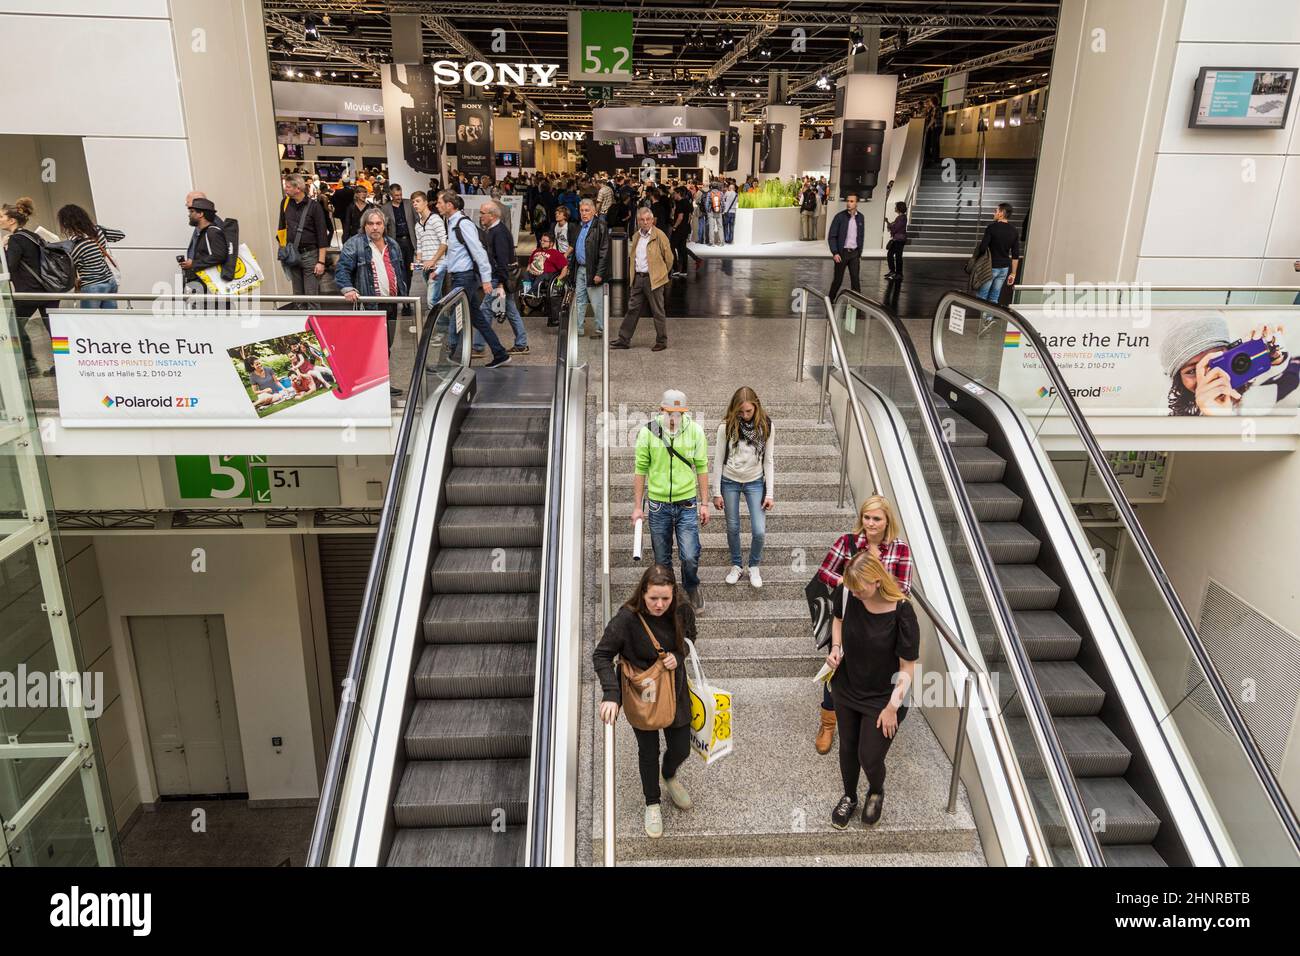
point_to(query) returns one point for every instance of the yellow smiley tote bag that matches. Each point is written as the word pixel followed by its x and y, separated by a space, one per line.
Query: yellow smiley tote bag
pixel 712 717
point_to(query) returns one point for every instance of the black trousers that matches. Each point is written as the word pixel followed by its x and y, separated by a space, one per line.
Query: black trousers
pixel 894 255
pixel 678 740
pixel 863 746
pixel 850 259
pixel 680 250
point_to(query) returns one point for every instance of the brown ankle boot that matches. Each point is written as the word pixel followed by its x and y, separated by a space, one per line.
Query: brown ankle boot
pixel 827 732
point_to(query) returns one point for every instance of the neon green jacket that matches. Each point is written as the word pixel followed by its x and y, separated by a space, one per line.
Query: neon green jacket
pixel 668 478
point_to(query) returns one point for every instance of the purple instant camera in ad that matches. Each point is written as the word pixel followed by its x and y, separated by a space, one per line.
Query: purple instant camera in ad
pixel 1245 361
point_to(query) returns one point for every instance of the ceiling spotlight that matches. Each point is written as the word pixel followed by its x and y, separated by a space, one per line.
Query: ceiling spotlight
pixel 310 28
pixel 824 82
pixel 726 39
pixel 318 73
pixel 332 74
pixel 289 74
pixel 764 51
pixel 356 76
pixel 652 76
pixel 857 41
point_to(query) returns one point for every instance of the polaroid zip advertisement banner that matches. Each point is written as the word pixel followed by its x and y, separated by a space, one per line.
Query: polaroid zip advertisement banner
pixel 1163 361
pixel 220 369
pixel 474 156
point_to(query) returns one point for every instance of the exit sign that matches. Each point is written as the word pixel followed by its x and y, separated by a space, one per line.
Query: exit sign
pixel 600 46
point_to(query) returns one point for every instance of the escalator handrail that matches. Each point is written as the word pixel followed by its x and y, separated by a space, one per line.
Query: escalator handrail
pixel 1081 833
pixel 539 802
pixel 345 722
pixel 1125 510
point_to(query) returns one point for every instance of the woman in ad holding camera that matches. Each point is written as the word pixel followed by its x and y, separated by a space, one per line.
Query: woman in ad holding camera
pixel 1211 373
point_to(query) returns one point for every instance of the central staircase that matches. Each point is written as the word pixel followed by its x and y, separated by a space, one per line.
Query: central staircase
pixel 769 802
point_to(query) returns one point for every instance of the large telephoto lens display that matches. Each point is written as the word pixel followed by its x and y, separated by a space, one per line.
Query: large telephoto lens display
pixel 861 149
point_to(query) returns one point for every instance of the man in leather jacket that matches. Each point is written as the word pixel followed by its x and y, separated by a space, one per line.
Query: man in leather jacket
pixel 589 262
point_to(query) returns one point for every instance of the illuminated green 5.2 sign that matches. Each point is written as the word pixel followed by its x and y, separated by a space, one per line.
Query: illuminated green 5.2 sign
pixel 600 46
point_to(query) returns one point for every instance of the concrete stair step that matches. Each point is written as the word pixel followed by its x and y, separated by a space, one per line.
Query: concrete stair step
pixel 784 516
pixel 822 486
pixel 714 551
pixel 810 456
pixel 772 798
pixel 780 582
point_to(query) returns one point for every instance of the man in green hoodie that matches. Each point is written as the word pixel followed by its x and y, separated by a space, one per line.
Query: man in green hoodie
pixel 672 472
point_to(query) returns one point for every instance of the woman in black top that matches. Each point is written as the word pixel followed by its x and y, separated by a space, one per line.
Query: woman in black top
pixel 666 611
pixel 23 253
pixel 90 256
pixel 681 233
pixel 874 646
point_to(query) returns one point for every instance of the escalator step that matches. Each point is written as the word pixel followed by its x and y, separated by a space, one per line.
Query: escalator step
pixel 496 420
pixel 1123 819
pixel 487 570
pixel 979 463
pixel 458 846
pixel 1093 751
pixel 1027 587
pixel 448 671
pixel 1046 636
pixel 486 449
pixel 496 486
pixel 461 793
pixel 1066 688
pixel 1009 542
pixel 481 619
pixel 490 526
pixel 1139 855
pixel 486 729
pixel 993 501
pixel 961 432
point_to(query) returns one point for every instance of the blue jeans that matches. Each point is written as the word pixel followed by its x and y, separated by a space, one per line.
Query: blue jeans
pixel 665 520
pixel 991 291
pixel 728 226
pixel 512 315
pixel 108 286
pixel 701 229
pixel 582 295
pixel 753 492
pixel 469 281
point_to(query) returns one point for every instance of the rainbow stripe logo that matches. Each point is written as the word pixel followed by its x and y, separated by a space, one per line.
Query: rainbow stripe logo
pixel 1011 339
pixel 59 345
pixel 107 401
pixel 1043 391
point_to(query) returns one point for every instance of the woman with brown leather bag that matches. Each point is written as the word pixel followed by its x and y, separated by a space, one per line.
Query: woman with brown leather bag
pixel 648 635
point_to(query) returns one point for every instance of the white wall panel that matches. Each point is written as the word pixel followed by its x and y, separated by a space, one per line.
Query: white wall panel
pixel 1230 273
pixel 141 268
pixel 154 216
pixel 1284 234
pixel 156 9
pixel 88 76
pixel 1280 272
pixel 1244 21
pixel 1203 206
pixel 1177 138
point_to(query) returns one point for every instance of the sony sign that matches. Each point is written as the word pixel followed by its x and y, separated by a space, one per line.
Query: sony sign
pixel 559 134
pixel 479 73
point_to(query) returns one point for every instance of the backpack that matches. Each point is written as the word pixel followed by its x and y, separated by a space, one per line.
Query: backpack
pixel 820 608
pixel 230 229
pixel 56 272
pixel 809 203
pixel 715 200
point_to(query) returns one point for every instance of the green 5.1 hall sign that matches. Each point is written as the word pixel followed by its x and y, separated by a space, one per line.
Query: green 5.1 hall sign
pixel 241 480
pixel 600 46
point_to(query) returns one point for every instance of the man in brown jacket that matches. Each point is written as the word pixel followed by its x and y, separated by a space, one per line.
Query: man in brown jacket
pixel 650 259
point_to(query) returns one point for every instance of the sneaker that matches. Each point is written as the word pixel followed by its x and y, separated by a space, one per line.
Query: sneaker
pixel 620 344
pixel 498 362
pixel 733 576
pixel 889 275
pixel 872 808
pixel 755 578
pixel 518 350
pixel 697 599
pixel 437 340
pixel 677 794
pixel 658 346
pixel 596 333
pixel 840 816
pixel 654 821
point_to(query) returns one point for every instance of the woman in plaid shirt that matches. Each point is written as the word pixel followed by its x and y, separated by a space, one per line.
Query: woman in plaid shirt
pixel 876 526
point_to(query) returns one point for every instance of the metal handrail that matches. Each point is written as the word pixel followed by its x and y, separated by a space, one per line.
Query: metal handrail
pixel 345 723
pixel 539 804
pixel 1088 844
pixel 1125 510
pixel 606 598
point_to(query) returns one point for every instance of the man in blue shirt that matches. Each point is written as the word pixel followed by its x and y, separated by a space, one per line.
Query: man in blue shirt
pixel 589 261
pixel 466 266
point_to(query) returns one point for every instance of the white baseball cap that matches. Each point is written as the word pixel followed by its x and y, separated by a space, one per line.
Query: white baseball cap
pixel 674 401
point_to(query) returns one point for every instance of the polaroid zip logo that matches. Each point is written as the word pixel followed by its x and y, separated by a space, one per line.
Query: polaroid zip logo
pixel 152 401
pixel 76 909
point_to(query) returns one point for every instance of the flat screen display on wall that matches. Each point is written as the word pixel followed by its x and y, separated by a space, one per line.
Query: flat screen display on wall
pixel 688 144
pixel 660 147
pixel 1242 98
pixel 338 134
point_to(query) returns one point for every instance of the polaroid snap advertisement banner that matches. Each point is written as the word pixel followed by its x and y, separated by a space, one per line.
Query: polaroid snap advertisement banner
pixel 1159 361
pixel 170 368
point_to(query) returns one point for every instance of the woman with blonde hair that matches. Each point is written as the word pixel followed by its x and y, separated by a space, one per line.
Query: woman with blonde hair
pixel 875 642
pixel 876 529
pixel 745 465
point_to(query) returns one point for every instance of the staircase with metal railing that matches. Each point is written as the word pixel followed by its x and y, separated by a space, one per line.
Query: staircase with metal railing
pixel 949 212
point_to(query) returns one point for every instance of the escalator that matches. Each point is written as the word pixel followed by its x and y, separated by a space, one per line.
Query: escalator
pixel 1095 664
pixel 454 741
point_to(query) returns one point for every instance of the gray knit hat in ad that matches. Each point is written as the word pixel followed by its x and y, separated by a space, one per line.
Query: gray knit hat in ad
pixel 1192 333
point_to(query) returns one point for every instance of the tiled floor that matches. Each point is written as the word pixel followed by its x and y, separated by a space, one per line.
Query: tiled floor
pixel 231 834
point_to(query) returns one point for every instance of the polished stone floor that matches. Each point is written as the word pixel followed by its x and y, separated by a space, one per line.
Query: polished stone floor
pixel 232 834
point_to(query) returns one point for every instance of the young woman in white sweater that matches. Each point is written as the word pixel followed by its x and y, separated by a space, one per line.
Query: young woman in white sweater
pixel 744 465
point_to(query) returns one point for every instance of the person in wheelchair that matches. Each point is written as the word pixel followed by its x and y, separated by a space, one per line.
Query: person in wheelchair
pixel 543 279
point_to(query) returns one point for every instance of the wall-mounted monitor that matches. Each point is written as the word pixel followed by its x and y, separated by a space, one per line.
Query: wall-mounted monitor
pixel 627 147
pixel 1242 97
pixel 660 147
pixel 334 172
pixel 339 134
pixel 296 133
pixel 293 151
pixel 508 159
pixel 688 144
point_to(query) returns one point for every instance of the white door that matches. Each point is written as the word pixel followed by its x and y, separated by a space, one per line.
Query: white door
pixel 188 694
